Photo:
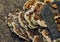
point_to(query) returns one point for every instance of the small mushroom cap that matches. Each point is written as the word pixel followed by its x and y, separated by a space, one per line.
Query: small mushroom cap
pixel 45 32
pixel 48 1
pixel 29 4
pixel 42 23
pixel 58 27
pixel 36 38
pixel 54 6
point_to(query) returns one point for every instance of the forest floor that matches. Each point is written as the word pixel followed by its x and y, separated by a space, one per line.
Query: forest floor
pixel 5 7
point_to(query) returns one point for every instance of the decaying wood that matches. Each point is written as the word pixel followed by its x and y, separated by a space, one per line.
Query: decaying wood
pixel 50 22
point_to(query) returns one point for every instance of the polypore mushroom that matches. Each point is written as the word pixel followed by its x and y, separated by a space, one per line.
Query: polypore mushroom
pixel 29 4
pixel 36 38
pixel 37 7
pixel 30 35
pixel 21 20
pixel 34 19
pixel 42 23
pixel 57 18
pixel 10 19
pixel 54 6
pixel 46 34
pixel 27 17
pixel 48 1
pixel 20 32
pixel 58 23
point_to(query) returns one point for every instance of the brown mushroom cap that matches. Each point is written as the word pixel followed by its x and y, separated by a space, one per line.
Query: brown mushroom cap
pixel 54 6
pixel 44 32
pixel 58 26
pixel 36 38
pixel 48 1
pixel 29 4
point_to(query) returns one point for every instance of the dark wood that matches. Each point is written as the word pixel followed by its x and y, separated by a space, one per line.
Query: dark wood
pixel 48 17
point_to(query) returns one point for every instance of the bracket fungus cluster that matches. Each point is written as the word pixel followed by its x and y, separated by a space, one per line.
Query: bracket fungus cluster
pixel 29 25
